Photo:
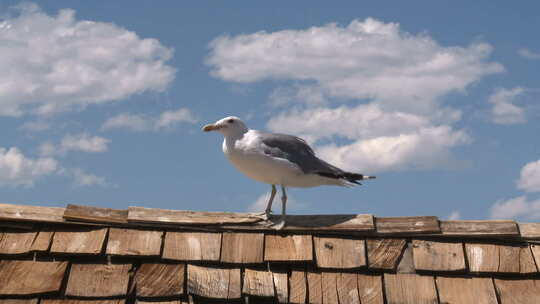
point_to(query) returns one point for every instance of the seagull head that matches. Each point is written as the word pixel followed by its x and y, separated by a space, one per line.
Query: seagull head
pixel 228 126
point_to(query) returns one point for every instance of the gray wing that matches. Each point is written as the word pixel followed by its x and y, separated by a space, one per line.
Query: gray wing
pixel 297 151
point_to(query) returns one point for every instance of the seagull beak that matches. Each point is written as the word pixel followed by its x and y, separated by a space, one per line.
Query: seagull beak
pixel 210 127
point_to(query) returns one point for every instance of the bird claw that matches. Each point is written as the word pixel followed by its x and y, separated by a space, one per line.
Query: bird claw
pixel 265 216
pixel 279 225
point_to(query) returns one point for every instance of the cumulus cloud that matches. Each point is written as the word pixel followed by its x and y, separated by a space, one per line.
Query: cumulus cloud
pixel 35 126
pixel 84 179
pixel 55 63
pixel 503 110
pixel 397 80
pixel 82 142
pixel 526 53
pixel 140 122
pixel 16 169
pixel 518 207
pixel 529 179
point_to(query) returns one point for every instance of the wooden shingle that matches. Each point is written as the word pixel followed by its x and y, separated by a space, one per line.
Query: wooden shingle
pixel 410 289
pixel 163 302
pixel 258 283
pixel 95 214
pixel 314 282
pixel 466 290
pixel 192 246
pixel 31 213
pixel 163 216
pixel 438 256
pixel 134 242
pixel 529 231
pixel 160 280
pixel 479 228
pixel 281 286
pixel 16 242
pixel 370 289
pixel 335 252
pixel 98 280
pixel 407 225
pixel 245 248
pixel 77 301
pixel 334 222
pixel 297 286
pixel 42 242
pixel 80 241
pixel 347 288
pixel 329 287
pixel 288 247
pixel 220 283
pixel 518 291
pixel 406 263
pixel 384 253
pixel 482 257
pixel 19 301
pixel 30 278
pixel 500 258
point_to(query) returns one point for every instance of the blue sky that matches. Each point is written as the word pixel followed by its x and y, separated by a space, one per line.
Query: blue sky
pixel 102 102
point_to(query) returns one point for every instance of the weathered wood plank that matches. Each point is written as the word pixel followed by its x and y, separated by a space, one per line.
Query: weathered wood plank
pixel 315 287
pixel 535 250
pixel 242 248
pixel 482 257
pixel 298 286
pixel 518 291
pixel 345 222
pixel 334 252
pixel 134 242
pixel 95 214
pixel 79 241
pixel 19 301
pixel 43 241
pixel 154 215
pixel 479 228
pixel 16 242
pixel 163 302
pixel 76 301
pixel 160 280
pixel 98 280
pixel 281 286
pixel 30 278
pixel 530 231
pixel 192 246
pixel 438 256
pixel 406 264
pixel 407 225
pixel 329 287
pixel 466 290
pixel 288 247
pixel 527 263
pixel 258 283
pixel 31 213
pixel 384 253
pixel 347 288
pixel 220 283
pixel 410 289
pixel 370 289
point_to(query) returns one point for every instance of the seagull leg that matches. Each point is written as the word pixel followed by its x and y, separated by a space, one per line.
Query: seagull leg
pixel 281 222
pixel 266 215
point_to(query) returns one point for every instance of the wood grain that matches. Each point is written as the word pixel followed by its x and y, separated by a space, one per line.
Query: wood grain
pixel 154 215
pixel 370 289
pixel 384 253
pixel 479 228
pixel 466 290
pixel 220 283
pixel 335 222
pixel 347 288
pixel 297 286
pixel 134 242
pixel 530 231
pixel 95 214
pixel 407 225
pixel 482 257
pixel 98 280
pixel 80 241
pixel 30 278
pixel 31 213
pixel 335 252
pixel 329 287
pixel 242 248
pixel 500 258
pixel 16 242
pixel 525 291
pixel 438 256
pixel 281 286
pixel 288 247
pixel 19 301
pixel 192 246
pixel 315 287
pixel 160 280
pixel 406 264
pixel 410 289
pixel 42 242
pixel 75 301
pixel 258 283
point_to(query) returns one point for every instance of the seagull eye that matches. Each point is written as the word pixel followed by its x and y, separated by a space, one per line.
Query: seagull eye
pixel 230 120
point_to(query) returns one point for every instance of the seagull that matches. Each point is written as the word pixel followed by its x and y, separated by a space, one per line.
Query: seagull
pixel 277 159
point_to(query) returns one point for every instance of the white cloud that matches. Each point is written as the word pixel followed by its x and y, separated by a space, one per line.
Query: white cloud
pixel 259 205
pixel 529 179
pixel 84 179
pixel 503 110
pixel 455 215
pixel 518 207
pixel 57 63
pixel 18 170
pixel 35 126
pixel 82 142
pixel 138 122
pixel 396 78
pixel 526 53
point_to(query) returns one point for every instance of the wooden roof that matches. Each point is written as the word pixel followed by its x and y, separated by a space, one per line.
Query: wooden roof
pixel 81 254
